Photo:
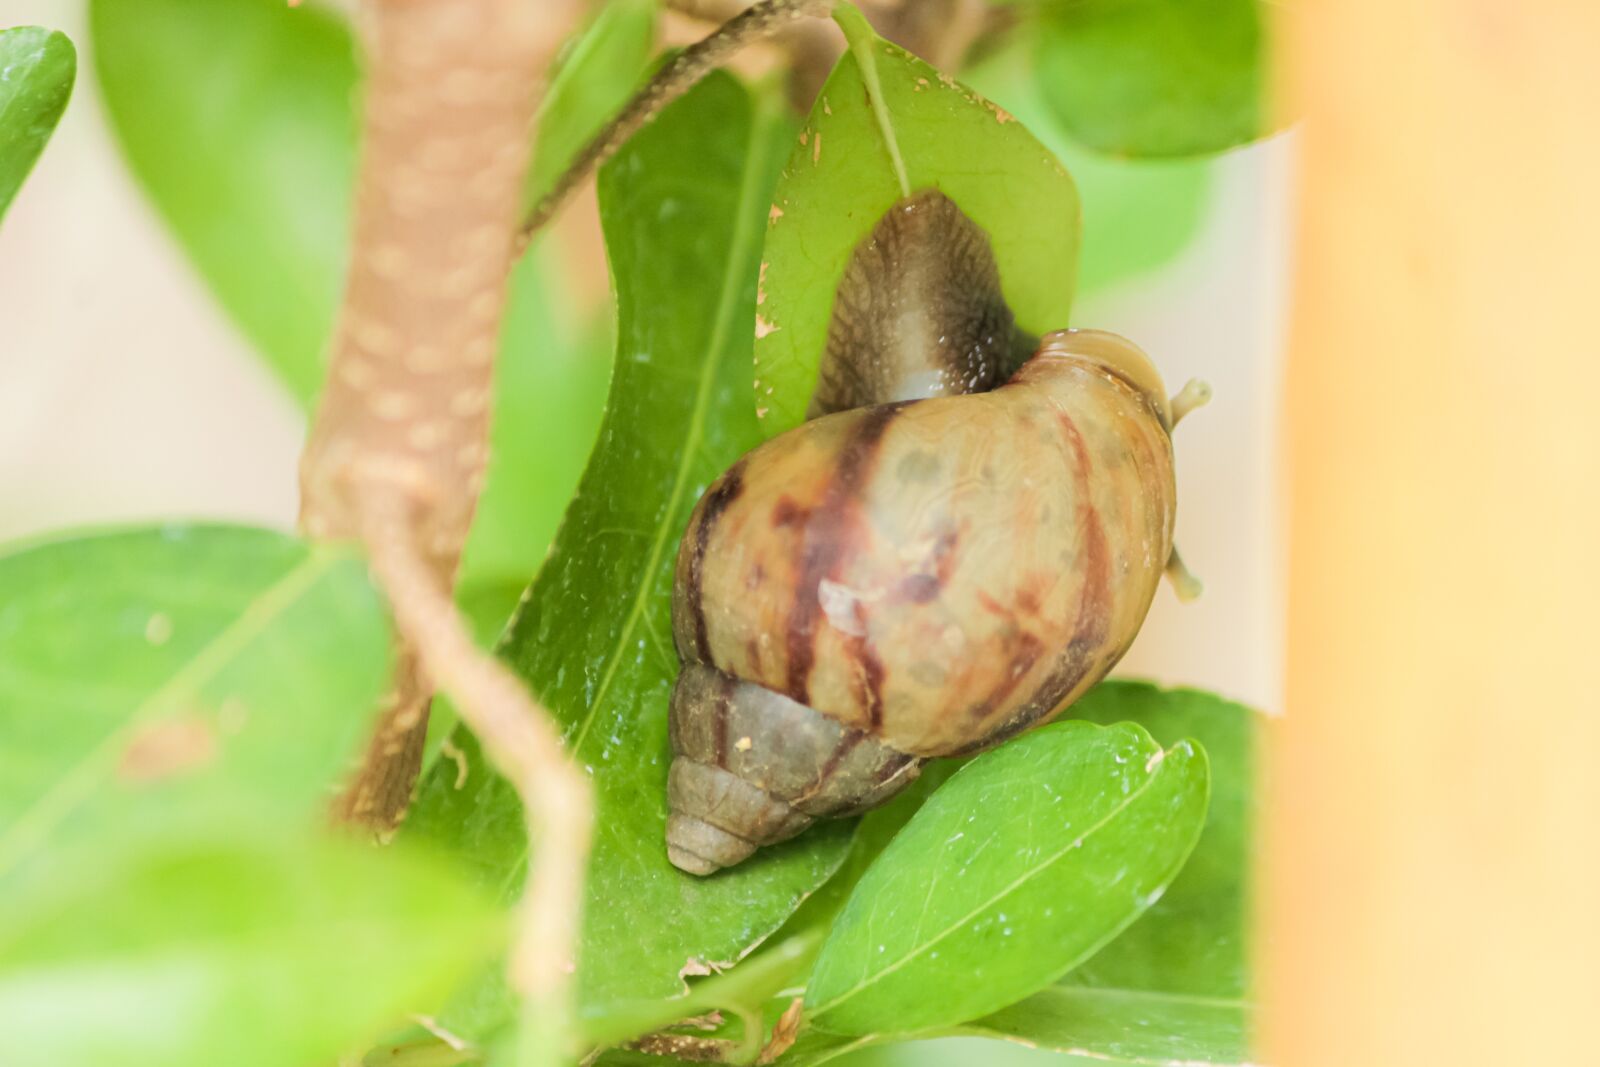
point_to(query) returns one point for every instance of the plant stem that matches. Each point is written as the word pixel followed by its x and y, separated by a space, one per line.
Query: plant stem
pixel 397 452
pixel 755 23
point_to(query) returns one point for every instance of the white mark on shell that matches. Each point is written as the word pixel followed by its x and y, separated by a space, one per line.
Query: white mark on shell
pixel 842 606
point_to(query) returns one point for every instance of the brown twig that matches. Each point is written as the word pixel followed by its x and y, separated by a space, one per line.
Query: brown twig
pixel 397 452
pixel 517 734
pixel 451 89
pixel 756 22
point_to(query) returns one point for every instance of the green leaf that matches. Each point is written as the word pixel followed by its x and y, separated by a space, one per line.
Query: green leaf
pixel 37 68
pixel 1025 863
pixel 594 78
pixel 239 946
pixel 1138 214
pixel 154 676
pixel 845 172
pixel 594 637
pixel 1192 942
pixel 1154 77
pixel 549 396
pixel 1093 1025
pixel 1170 988
pixel 238 118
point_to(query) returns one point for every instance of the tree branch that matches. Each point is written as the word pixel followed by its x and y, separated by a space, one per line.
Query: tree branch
pixel 451 89
pixel 398 449
pixel 518 736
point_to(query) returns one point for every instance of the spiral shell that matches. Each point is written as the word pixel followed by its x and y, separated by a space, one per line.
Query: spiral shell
pixel 910 580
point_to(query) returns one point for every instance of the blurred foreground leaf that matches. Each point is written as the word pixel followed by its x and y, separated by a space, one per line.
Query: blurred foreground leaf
pixel 177 703
pixel 242 946
pixel 594 639
pixel 152 677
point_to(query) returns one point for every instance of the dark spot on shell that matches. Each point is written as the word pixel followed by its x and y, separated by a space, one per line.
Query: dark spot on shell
pixel 916 466
pixel 918 588
pixel 831 530
pixel 787 513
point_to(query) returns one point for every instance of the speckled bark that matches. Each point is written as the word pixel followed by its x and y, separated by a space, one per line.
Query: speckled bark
pixel 450 95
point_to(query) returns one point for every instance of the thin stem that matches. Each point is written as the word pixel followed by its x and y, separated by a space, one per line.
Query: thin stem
pixel 755 23
pixel 521 740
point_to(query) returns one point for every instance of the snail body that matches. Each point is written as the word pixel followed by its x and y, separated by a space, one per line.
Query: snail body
pixel 902 581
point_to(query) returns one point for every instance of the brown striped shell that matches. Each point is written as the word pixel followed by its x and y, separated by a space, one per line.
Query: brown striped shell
pixel 910 580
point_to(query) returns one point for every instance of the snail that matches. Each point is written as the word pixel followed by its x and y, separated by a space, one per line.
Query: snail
pixel 928 576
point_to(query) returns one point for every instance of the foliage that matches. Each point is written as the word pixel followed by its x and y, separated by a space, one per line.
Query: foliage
pixel 263 160
pixel 886 125
pixel 1154 77
pixel 169 894
pixel 177 701
pixel 37 68
pixel 679 414
pixel 963 914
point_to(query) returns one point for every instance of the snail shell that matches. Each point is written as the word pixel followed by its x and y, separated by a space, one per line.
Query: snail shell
pixel 916 579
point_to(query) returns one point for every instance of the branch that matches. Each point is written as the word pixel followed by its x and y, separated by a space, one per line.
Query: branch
pixel 451 91
pixel 519 737
pixel 755 23
pixel 397 453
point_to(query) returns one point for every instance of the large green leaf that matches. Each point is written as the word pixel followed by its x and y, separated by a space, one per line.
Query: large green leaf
pixel 1192 942
pixel 1021 866
pixel 240 945
pixel 845 172
pixel 1154 77
pixel 37 68
pixel 238 118
pixel 594 637
pixel 1170 988
pixel 1091 1025
pixel 154 676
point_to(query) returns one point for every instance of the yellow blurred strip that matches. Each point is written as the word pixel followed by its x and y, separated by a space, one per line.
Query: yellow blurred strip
pixel 1433 818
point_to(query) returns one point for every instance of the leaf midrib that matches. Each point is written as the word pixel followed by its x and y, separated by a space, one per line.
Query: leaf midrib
pixel 71 788
pixel 745 230
pixel 1012 887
